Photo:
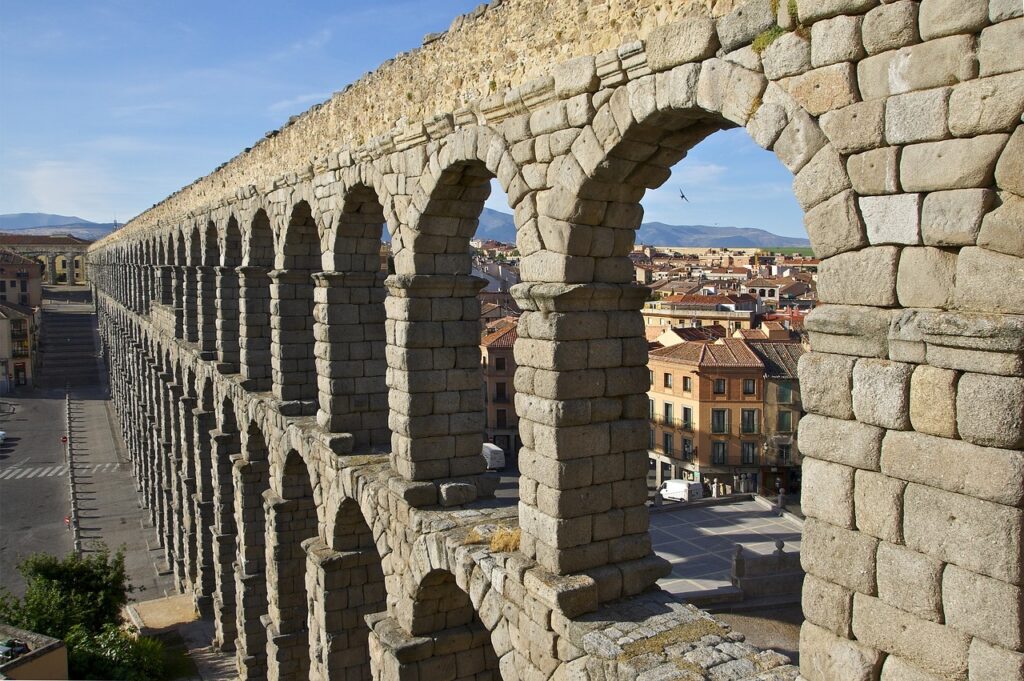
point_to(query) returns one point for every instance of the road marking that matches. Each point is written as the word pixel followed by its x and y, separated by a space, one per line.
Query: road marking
pixel 18 473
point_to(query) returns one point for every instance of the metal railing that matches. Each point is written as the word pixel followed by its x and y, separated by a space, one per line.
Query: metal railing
pixel 69 457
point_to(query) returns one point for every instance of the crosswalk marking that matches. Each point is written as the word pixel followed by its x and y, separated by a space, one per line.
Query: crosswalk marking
pixel 18 473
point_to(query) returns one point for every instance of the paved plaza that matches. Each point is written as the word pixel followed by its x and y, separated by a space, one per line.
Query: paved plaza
pixel 699 542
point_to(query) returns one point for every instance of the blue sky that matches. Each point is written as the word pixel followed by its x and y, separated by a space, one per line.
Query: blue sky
pixel 108 106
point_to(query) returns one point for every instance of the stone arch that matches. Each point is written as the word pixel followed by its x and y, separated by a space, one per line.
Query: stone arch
pixel 254 302
pixel 291 307
pixel 346 577
pixel 205 428
pixel 227 450
pixel 349 322
pixel 251 479
pixel 442 612
pixel 291 520
pixel 227 289
pixel 206 282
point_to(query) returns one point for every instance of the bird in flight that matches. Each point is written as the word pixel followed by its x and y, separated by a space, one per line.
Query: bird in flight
pixel 683 196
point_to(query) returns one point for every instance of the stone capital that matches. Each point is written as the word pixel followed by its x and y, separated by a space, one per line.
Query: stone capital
pixel 549 297
pixel 434 285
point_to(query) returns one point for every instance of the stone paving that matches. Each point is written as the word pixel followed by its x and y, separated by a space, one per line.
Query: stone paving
pixel 699 542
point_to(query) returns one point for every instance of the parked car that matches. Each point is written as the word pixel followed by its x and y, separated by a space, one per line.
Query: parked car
pixel 494 456
pixel 681 490
pixel 3 436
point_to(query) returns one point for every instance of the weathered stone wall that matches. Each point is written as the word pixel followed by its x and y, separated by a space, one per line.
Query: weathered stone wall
pixel 901 122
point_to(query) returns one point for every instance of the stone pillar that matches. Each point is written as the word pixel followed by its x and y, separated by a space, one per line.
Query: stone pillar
pixel 190 531
pixel 165 285
pixel 581 396
pixel 228 312
pixel 178 299
pixel 190 303
pixel 291 344
pixel 250 480
pixel 205 422
pixel 350 358
pixel 69 272
pixel 51 269
pixel 224 616
pixel 206 279
pixel 254 327
pixel 288 646
pixel 436 396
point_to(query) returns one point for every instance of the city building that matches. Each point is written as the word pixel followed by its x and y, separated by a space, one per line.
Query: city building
pixel 63 256
pixel 729 311
pixel 19 341
pixel 705 403
pixel 21 279
pixel 780 465
pixel 499 368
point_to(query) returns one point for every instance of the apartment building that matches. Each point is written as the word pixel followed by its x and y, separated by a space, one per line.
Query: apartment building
pixel 720 411
pixel 498 366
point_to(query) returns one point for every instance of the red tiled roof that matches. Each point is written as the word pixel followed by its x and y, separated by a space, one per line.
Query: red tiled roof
pixel 726 353
pixel 502 338
pixel 41 240
pixel 8 257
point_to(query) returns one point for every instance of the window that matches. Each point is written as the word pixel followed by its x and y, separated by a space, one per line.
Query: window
pixel 650 440
pixel 650 377
pixel 748 453
pixel 687 448
pixel 785 452
pixel 500 392
pixel 667 381
pixel 666 443
pixel 687 384
pixel 24 286
pixel 687 418
pixel 785 421
pixel 499 363
pixel 749 386
pixel 502 418
pixel 719 452
pixel 3 285
pixel 748 421
pixel 719 386
pixel 650 409
pixel 668 412
pixel 785 393
pixel 719 420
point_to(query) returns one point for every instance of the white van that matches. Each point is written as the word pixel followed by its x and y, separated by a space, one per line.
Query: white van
pixel 681 490
pixel 494 456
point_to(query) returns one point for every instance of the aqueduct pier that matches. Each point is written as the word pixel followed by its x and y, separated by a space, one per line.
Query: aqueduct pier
pixel 305 428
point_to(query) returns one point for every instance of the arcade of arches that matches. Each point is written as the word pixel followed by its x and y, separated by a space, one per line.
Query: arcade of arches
pixel 305 428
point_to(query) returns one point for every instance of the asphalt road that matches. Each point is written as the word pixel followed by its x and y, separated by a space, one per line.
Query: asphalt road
pixel 33 490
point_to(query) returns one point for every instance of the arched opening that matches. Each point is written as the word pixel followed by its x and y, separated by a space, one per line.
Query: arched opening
pixel 443 613
pixel 228 310
pixel 349 314
pixel 254 303
pixel 190 288
pixel 291 520
pixel 178 279
pixel 348 581
pixel 427 366
pixel 291 314
pixel 206 274
pixel 251 478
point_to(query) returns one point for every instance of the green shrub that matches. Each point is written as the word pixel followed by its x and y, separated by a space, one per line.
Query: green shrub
pixel 114 653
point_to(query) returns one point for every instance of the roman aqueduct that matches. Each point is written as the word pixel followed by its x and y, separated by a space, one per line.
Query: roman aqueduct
pixel 305 428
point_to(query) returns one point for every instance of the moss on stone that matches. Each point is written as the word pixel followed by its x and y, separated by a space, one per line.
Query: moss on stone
pixel 684 633
pixel 766 38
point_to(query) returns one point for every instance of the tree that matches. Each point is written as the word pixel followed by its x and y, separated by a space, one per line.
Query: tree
pixel 80 600
pixel 62 593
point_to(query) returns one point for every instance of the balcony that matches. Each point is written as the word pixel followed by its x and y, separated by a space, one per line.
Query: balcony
pixel 678 424
pixel 687 455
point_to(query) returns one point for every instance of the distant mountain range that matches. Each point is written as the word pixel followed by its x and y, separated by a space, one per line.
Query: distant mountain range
pixel 501 227
pixel 48 224
pixel 493 225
